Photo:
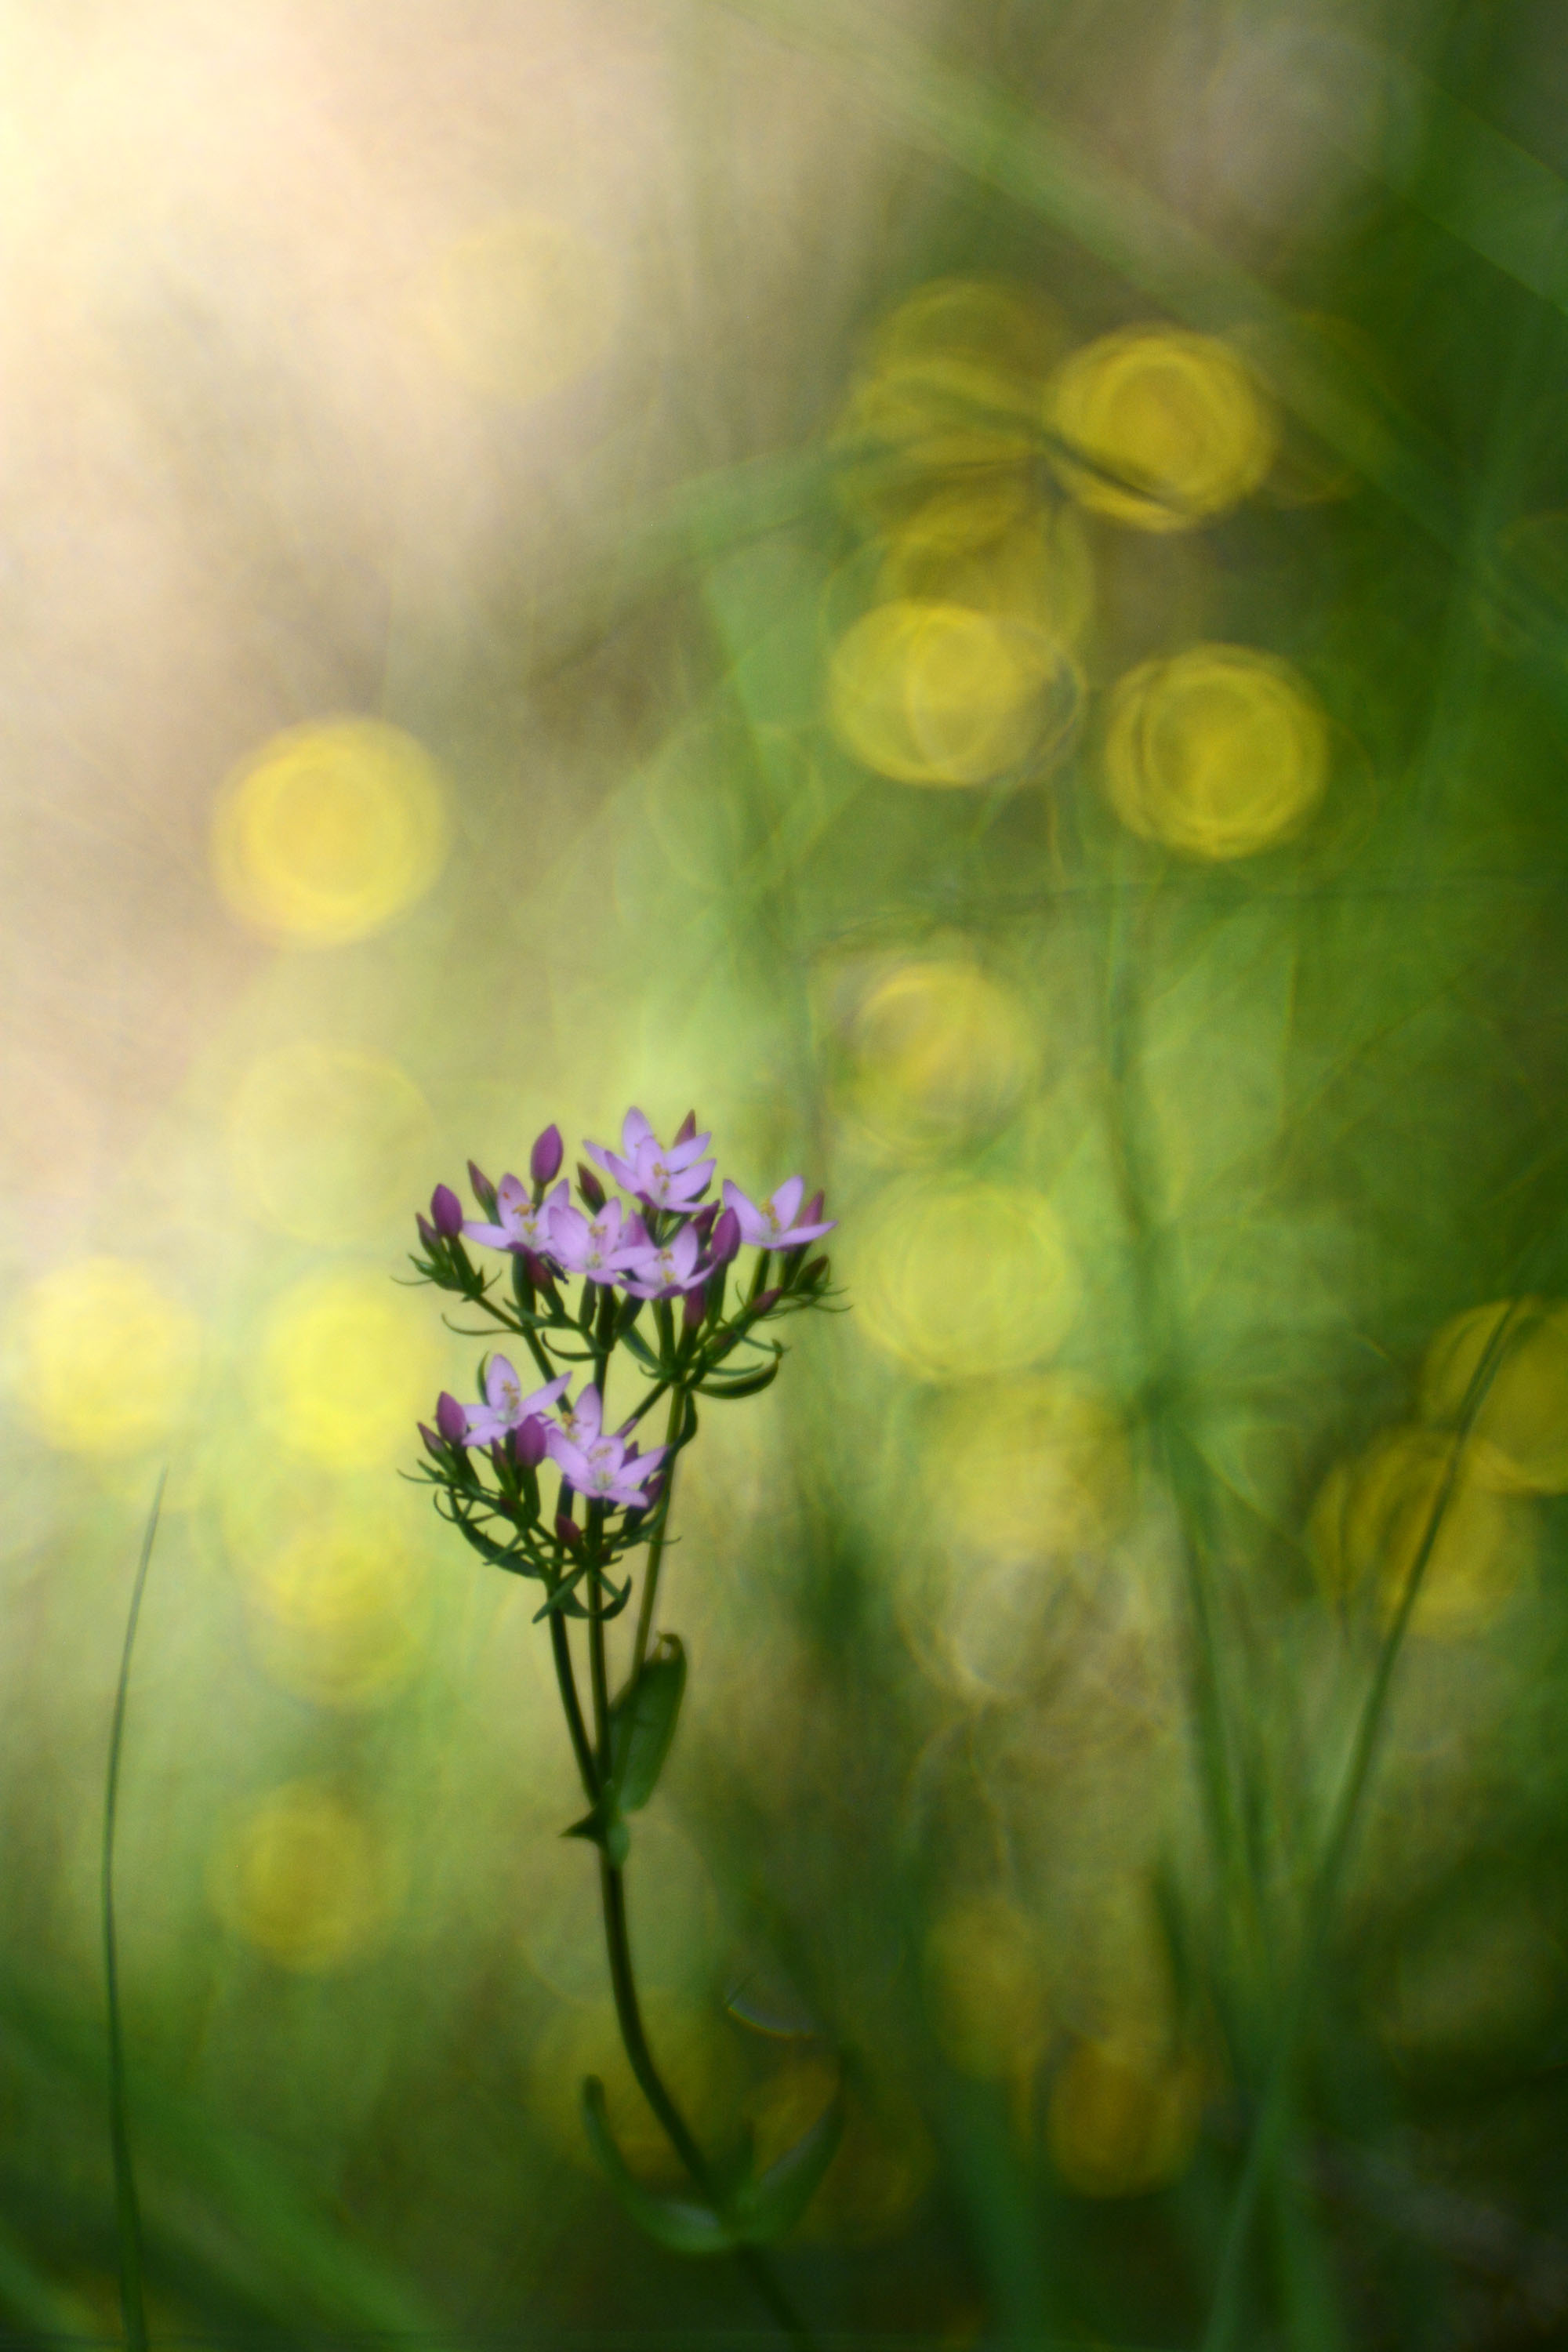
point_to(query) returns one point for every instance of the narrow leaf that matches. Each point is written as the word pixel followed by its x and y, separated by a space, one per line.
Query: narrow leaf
pixel 642 1723
pixel 770 2208
pixel 686 2228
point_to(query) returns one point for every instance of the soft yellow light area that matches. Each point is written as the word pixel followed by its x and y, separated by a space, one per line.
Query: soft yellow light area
pixel 940 694
pixel 675 1932
pixel 885 2164
pixel 1178 420
pixel 108 1357
pixel 1123 2116
pixel 962 548
pixel 329 1145
pixel 955 377
pixel 955 1279
pixel 1219 751
pixel 335 1614
pixel 986 1988
pixel 345 1366
pixel 519 308
pixel 941 1052
pixel 1038 1468
pixel 1519 1439
pixel 698 2058
pixel 330 830
pixel 305 1877
pixel 1371 1519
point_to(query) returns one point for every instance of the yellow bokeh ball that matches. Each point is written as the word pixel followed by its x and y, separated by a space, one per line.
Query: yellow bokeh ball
pixel 1518 1438
pixel 940 1050
pixel 934 693
pixel 960 547
pixel 329 832
pixel 109 1359
pixel 521 307
pixel 1370 1523
pixel 327 1144
pixel 1175 425
pixel 985 1988
pixel 953 379
pixel 958 1279
pixel 334 1613
pixel 1040 1470
pixel 304 1877
pixel 1218 751
pixel 345 1368
pixel 1123 2118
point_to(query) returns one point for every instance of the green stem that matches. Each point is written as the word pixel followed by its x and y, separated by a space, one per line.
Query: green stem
pixel 617 1945
pixel 127 2207
pixel 598 1669
pixel 566 1678
pixel 1274 2113
pixel 656 1549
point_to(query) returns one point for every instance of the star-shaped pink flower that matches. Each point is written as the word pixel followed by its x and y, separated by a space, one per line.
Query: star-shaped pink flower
pixel 601 1467
pixel 769 1226
pixel 519 1225
pixel 672 1176
pixel 505 1407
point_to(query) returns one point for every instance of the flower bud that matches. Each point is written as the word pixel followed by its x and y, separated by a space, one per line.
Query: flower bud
pixel 427 1233
pixel 432 1442
pixel 813 1271
pixel 569 1532
pixel 544 1159
pixel 726 1242
pixel 812 1213
pixel 591 1189
pixel 767 1302
pixel 703 1222
pixel 451 1419
pixel 447 1211
pixel 536 1270
pixel 694 1307
pixel 528 1442
pixel 484 1191
pixel 688 1128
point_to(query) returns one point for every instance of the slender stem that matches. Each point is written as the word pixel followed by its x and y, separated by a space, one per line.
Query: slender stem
pixel 565 1676
pixel 656 1549
pixel 617 1945
pixel 127 2207
pixel 1274 2113
pixel 598 1669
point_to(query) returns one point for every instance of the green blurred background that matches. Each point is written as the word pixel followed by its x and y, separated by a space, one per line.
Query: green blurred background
pixel 982 593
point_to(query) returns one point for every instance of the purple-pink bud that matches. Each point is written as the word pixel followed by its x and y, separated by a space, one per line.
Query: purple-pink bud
pixel 528 1442
pixel 451 1419
pixel 544 1159
pixel 694 1307
pixel 813 1271
pixel 767 1302
pixel 433 1443
pixel 703 1222
pixel 426 1231
pixel 484 1191
pixel 447 1211
pixel 568 1530
pixel 688 1128
pixel 726 1238
pixel 538 1272
pixel 588 1184
pixel 812 1213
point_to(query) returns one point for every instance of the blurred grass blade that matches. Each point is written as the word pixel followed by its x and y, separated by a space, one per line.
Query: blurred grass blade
pixel 127 2212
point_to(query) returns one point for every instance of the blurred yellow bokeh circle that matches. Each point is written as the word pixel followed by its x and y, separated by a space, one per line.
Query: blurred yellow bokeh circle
pixel 1518 1438
pixel 1123 2116
pixel 941 694
pixel 953 378
pixel 334 1613
pixel 330 830
pixel 1175 424
pixel 1371 1520
pixel 986 1987
pixel 327 1144
pixel 108 1357
pixel 1035 568
pixel 940 1051
pixel 698 2060
pixel 1218 751
pixel 304 1877
pixel 1037 1469
pixel 521 307
pixel 956 1279
pixel 345 1366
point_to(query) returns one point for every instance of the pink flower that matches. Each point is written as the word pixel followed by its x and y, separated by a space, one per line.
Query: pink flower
pixel 505 1407
pixel 769 1226
pixel 521 1225
pixel 672 1176
pixel 671 1267
pixel 602 1246
pixel 603 1468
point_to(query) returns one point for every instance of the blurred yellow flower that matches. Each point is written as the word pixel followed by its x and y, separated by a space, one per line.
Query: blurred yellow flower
pixel 1123 2116
pixel 940 1052
pixel 943 694
pixel 1519 1436
pixel 1218 751
pixel 108 1357
pixel 334 1613
pixel 304 1876
pixel 986 1988
pixel 329 832
pixel 345 1366
pixel 1178 421
pixel 958 1279
pixel 1372 1517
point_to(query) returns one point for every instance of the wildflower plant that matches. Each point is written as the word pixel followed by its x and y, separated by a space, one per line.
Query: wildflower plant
pixel 539 1478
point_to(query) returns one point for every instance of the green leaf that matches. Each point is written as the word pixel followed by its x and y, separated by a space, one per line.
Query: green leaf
pixel 769 2208
pixel 687 2228
pixel 603 1827
pixel 740 1384
pixel 642 1723
pixel 638 1347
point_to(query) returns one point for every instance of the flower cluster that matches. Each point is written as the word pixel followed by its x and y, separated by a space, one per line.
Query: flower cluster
pixel 580 1274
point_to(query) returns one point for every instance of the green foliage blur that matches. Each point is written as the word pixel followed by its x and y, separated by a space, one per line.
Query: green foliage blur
pixel 1180 1037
